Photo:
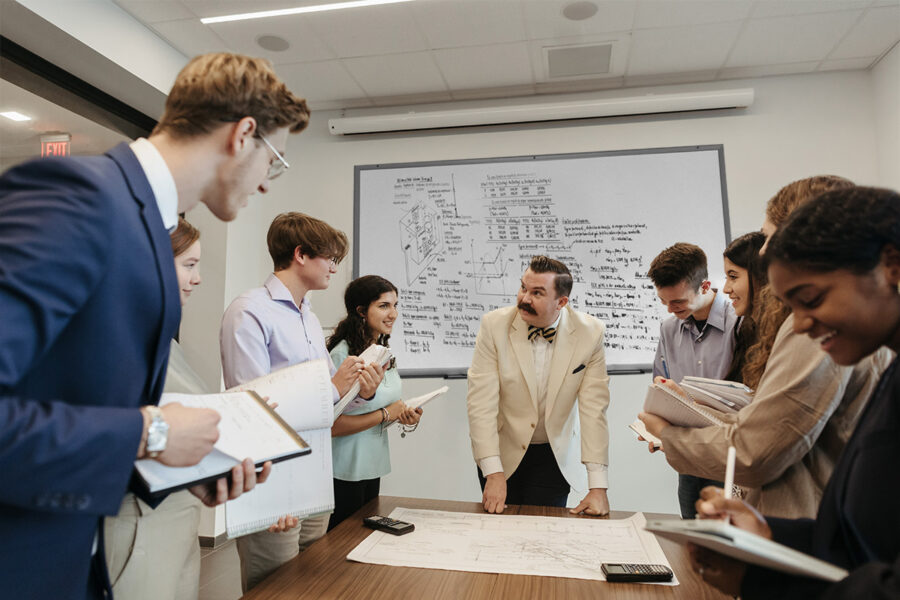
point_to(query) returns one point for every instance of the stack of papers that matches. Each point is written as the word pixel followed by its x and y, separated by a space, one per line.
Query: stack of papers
pixel 374 354
pixel 677 409
pixel 725 396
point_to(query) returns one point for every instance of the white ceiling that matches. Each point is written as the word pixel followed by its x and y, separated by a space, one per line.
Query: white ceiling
pixel 444 50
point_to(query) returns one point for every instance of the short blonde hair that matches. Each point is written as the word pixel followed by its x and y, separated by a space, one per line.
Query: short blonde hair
pixel 222 88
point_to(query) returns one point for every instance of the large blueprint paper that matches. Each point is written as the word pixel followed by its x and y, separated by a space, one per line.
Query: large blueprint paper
pixel 520 545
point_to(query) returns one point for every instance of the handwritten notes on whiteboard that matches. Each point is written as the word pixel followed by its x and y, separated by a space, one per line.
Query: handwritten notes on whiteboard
pixel 455 238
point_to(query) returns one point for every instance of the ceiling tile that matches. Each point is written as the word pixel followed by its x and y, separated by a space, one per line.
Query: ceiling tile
pixel 766 70
pixel 485 66
pixel 191 37
pixel 790 39
pixel 470 22
pixel 396 74
pixel 785 8
pixel 305 45
pixel 579 85
pixel 675 49
pixel 876 32
pixel 154 11
pixel 666 13
pixel 671 78
pixel 544 19
pixel 847 64
pixel 369 31
pixel 320 81
pixel 406 99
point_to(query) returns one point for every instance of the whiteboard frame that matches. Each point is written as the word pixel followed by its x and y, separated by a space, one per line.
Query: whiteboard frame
pixel 612 370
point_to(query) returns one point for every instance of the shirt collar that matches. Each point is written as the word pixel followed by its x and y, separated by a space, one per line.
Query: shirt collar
pixel 717 312
pixel 161 181
pixel 278 291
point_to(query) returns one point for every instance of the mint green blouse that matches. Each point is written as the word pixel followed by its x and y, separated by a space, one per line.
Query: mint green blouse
pixel 365 454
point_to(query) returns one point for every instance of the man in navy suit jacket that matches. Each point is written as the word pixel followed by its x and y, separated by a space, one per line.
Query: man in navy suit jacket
pixel 89 303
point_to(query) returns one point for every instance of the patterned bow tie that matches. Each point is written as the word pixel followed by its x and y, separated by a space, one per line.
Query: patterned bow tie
pixel 548 333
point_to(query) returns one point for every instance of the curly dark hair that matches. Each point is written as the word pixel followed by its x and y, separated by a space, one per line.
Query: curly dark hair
pixel 843 229
pixel 744 252
pixel 360 294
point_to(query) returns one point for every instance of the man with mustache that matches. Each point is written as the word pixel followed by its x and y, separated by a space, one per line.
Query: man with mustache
pixel 539 368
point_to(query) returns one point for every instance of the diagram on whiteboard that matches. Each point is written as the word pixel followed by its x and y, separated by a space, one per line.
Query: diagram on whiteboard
pixel 493 274
pixel 421 239
pixel 467 231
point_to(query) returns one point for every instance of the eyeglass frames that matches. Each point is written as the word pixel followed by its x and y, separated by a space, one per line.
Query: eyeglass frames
pixel 275 168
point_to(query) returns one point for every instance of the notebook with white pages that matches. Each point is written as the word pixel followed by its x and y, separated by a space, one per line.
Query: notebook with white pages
pixel 305 397
pixel 301 488
pixel 247 428
pixel 743 545
pixel 708 398
pixel 298 390
pixel 420 401
pixel 677 410
pixel 734 391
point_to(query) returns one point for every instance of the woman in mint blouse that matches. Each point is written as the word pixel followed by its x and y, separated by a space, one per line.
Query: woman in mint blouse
pixel 359 438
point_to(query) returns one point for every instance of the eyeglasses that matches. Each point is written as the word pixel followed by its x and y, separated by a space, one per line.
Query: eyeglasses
pixel 275 168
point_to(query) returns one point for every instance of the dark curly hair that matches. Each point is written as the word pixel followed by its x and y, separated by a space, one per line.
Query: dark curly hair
pixel 360 294
pixel 843 229
pixel 744 252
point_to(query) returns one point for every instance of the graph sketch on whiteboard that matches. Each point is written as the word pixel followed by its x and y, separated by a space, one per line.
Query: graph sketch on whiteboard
pixel 491 273
pixel 421 239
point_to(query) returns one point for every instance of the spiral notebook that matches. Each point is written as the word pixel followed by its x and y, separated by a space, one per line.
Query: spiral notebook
pixel 678 410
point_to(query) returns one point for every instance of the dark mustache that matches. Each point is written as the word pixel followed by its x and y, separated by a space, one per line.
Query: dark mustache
pixel 527 308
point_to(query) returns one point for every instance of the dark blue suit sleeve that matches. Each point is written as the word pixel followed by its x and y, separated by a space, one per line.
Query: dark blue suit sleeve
pixel 54 455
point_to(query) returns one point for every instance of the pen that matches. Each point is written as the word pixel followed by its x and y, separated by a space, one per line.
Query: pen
pixel 577 369
pixel 665 367
pixel 729 472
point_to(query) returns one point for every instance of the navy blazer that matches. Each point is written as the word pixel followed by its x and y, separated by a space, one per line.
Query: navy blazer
pixel 88 304
pixel 858 523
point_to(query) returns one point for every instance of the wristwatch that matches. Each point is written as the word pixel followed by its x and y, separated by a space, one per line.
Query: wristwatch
pixel 157 432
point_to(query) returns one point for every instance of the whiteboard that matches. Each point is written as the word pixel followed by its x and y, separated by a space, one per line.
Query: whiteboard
pixel 456 236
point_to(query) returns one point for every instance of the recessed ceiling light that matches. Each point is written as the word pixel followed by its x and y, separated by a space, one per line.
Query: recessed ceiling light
pixel 15 116
pixel 579 11
pixel 297 11
pixel 273 43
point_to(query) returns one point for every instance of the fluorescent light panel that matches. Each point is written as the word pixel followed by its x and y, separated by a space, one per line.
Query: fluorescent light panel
pixel 296 11
pixel 15 116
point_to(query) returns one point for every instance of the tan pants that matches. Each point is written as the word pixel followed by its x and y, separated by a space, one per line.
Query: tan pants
pixel 154 554
pixel 263 552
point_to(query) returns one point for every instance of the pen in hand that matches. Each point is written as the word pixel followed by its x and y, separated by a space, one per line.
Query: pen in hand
pixel 729 474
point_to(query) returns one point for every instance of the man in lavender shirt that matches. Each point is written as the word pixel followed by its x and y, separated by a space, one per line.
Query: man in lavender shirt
pixel 272 327
pixel 697 340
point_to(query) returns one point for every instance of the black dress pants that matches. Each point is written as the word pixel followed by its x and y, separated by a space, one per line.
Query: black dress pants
pixel 537 480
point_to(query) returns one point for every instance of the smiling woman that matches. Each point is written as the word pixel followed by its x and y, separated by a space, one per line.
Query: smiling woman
pixel 836 263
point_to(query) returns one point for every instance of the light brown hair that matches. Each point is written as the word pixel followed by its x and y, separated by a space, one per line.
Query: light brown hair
pixel 562 282
pixel 314 237
pixel 183 237
pixel 798 192
pixel 769 312
pixel 222 88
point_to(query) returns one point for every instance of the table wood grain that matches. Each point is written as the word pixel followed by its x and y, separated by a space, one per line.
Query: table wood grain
pixel 323 572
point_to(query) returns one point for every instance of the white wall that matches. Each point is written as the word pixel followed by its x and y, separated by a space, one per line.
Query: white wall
pixel 886 99
pixel 798 126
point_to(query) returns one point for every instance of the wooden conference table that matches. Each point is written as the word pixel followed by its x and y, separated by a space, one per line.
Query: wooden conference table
pixel 323 571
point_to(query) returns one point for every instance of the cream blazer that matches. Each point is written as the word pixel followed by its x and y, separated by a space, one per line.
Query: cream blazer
pixel 502 401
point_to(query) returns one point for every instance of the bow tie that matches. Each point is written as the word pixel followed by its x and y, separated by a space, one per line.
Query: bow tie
pixel 548 333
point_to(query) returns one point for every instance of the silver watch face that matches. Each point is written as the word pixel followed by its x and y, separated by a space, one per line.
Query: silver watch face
pixel 157 435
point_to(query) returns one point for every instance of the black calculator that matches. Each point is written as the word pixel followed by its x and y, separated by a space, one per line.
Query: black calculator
pixel 635 573
pixel 389 525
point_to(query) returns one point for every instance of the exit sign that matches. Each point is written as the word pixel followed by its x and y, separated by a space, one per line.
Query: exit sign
pixel 55 145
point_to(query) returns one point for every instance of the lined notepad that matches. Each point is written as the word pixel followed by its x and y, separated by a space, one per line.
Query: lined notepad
pixel 677 409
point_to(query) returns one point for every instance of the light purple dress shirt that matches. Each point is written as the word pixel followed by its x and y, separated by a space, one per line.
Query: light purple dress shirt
pixel 264 331
pixel 683 350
